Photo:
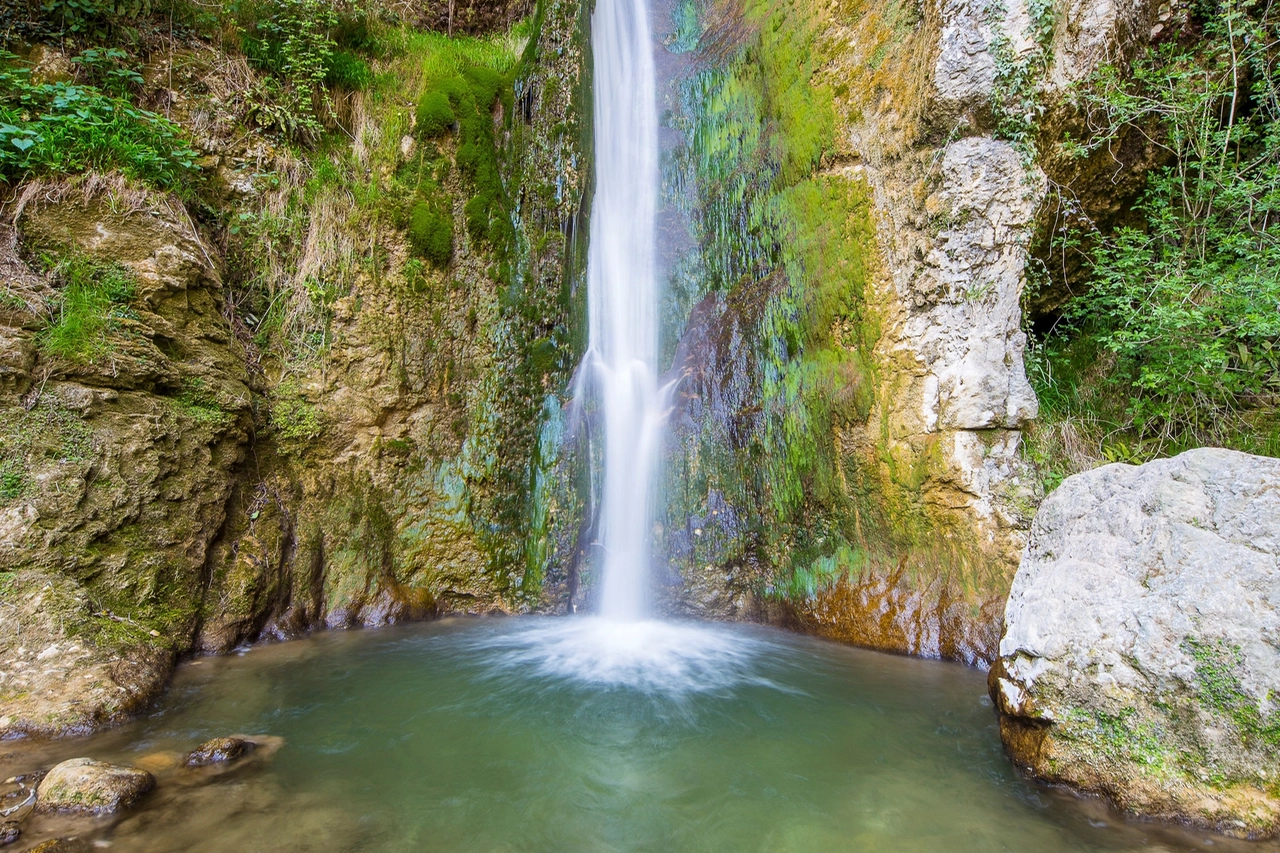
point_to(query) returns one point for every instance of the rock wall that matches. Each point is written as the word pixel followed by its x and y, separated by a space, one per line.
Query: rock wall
pixel 930 124
pixel 118 459
pixel 184 478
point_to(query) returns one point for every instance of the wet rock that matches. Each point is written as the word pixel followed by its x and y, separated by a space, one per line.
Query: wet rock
pixel 220 750
pixel 61 845
pixel 9 832
pixel 1140 655
pixel 95 787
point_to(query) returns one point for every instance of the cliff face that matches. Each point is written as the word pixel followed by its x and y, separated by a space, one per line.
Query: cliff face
pixel 281 415
pixel 864 184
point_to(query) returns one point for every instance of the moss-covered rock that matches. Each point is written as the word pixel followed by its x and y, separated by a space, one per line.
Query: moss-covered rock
pixel 93 787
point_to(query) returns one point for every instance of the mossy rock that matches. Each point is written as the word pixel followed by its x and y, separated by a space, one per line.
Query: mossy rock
pixel 92 787
pixel 431 234
pixel 435 115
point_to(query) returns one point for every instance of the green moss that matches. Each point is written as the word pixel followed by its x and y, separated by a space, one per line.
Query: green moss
pixel 1218 667
pixel 1123 737
pixel 435 114
pixel 31 440
pixel 798 246
pixel 200 404
pixel 431 234
pixel 295 419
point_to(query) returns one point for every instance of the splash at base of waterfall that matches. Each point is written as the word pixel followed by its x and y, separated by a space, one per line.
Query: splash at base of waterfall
pixel 667 659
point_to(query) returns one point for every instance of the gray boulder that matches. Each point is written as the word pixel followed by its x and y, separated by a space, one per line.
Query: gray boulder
pixel 1141 649
pixel 93 787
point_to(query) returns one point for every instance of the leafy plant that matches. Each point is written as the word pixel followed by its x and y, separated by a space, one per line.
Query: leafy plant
pixel 292 38
pixel 1186 304
pixel 67 128
pixel 1016 99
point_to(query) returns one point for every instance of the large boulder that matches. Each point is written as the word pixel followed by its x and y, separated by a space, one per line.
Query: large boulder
pixel 93 787
pixel 1141 649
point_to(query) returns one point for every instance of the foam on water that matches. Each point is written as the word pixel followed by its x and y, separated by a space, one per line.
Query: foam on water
pixel 662 659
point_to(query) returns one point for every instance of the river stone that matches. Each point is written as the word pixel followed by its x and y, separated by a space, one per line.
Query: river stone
pixel 219 750
pixel 61 845
pixel 85 785
pixel 1141 648
pixel 9 832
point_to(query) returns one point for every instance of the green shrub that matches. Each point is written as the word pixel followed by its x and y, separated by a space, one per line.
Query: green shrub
pixel 291 38
pixel 435 114
pixel 67 128
pixel 431 234
pixel 1184 305
pixel 93 301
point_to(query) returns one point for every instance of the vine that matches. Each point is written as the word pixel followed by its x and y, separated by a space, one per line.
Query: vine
pixel 1016 98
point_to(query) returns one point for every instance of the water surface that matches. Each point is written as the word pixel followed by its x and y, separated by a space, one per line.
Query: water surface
pixel 563 735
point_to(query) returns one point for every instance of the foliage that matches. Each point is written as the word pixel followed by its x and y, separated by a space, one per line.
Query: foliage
pixel 90 308
pixel 346 70
pixel 1184 307
pixel 63 128
pixel 1016 99
pixel 292 39
pixel 71 19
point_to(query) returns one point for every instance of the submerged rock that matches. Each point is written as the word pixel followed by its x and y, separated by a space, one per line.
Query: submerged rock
pixel 9 832
pixel 95 787
pixel 1141 648
pixel 61 845
pixel 219 751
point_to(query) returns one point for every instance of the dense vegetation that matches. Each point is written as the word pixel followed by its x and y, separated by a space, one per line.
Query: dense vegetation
pixel 1175 343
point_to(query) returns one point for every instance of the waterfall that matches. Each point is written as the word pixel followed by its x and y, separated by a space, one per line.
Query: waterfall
pixel 622 296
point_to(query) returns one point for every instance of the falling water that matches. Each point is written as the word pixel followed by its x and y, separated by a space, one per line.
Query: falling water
pixel 622 294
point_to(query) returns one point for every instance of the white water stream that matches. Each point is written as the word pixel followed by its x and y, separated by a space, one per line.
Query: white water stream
pixel 622 296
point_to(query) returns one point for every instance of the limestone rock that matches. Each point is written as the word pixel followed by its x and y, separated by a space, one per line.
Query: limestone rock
pixel 123 464
pixel 1141 649
pixel 220 750
pixel 970 337
pixel 965 70
pixel 85 785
